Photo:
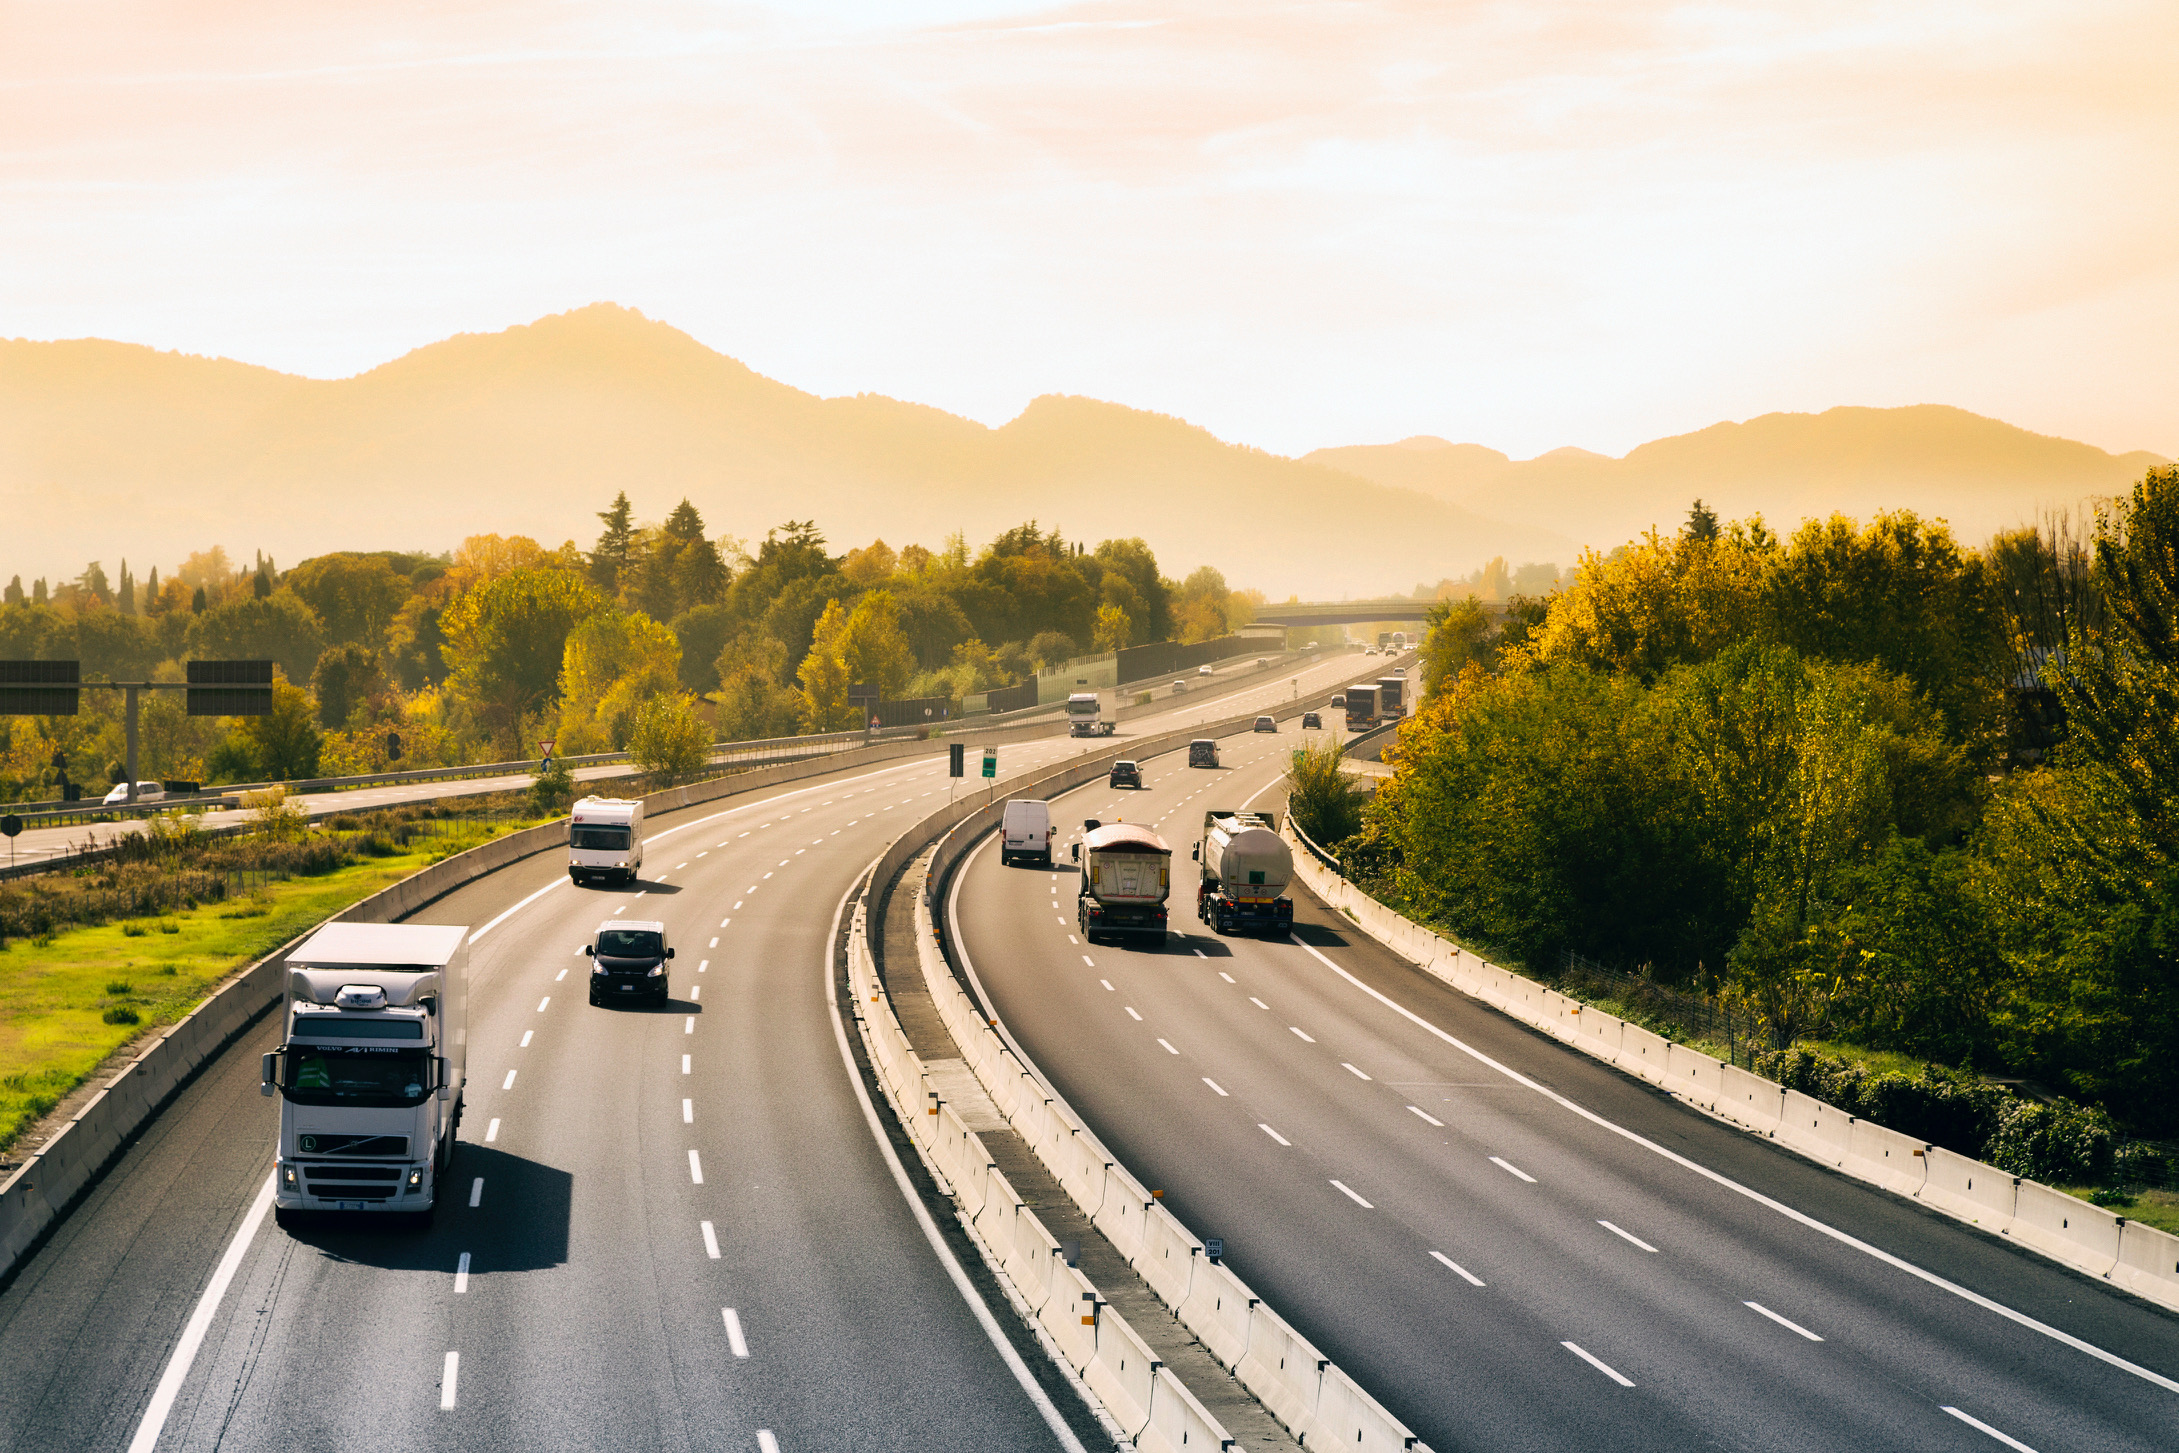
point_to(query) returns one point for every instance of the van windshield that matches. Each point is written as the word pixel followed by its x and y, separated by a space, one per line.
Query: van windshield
pixel 629 943
pixel 323 1075
pixel 598 839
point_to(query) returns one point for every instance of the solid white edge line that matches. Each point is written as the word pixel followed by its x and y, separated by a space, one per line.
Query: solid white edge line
pixel 448 1381
pixel 1466 1275
pixel 1022 1375
pixel 1786 1323
pixel 517 908
pixel 1611 1372
pixel 734 1341
pixel 1898 1263
pixel 199 1323
pixel 1981 1427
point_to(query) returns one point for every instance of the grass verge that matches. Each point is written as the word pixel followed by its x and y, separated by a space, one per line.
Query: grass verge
pixel 68 1002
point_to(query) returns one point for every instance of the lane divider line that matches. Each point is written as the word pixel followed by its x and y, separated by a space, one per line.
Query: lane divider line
pixel 1348 1192
pixel 1427 1117
pixel 711 1241
pixel 200 1322
pixel 1216 1086
pixel 1981 1427
pixel 1513 1170
pixel 1168 1048
pixel 491 1131
pixel 734 1339
pixel 1607 1370
pixel 1458 1270
pixel 1273 1134
pixel 696 1168
pixel 448 1381
pixel 461 1275
pixel 1719 1178
pixel 476 1192
pixel 1631 1237
pixel 1790 1326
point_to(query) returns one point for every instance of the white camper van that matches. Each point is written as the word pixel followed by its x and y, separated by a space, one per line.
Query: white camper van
pixel 373 1054
pixel 1026 832
pixel 605 839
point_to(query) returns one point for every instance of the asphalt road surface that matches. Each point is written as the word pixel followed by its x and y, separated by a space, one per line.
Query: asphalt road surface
pixel 1471 1229
pixel 683 1234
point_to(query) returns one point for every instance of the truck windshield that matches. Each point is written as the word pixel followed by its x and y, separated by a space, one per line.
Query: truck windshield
pixel 325 1075
pixel 598 839
pixel 627 943
pixel 343 1026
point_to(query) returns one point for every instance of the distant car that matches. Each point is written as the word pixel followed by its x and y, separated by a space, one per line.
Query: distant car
pixel 1202 670
pixel 1180 688
pixel 1308 645
pixel 1265 724
pixel 1262 661
pixel 1399 670
pixel 1126 774
pixel 1337 703
pixel 1311 722
pixel 1369 650
pixel 145 792
pixel 1202 752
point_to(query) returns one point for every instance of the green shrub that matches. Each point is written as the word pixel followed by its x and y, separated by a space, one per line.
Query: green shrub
pixel 133 930
pixel 122 1014
pixel 2051 1143
pixel 120 986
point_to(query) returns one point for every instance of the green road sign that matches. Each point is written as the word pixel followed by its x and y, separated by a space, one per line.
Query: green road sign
pixel 991 761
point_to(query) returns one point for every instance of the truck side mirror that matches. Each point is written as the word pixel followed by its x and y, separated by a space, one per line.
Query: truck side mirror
pixel 1076 850
pixel 268 1073
pixel 590 950
pixel 1196 852
pixel 446 1090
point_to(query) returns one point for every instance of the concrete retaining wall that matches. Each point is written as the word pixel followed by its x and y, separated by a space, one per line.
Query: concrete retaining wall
pixel 2065 1228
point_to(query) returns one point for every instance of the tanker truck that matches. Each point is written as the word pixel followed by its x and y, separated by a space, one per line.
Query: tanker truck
pixel 1246 867
pixel 373 1054
pixel 1127 871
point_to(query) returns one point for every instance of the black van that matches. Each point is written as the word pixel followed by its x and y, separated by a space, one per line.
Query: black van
pixel 1202 752
pixel 628 963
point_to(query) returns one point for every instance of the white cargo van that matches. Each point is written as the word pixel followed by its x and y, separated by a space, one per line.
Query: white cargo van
pixel 1025 831
pixel 605 839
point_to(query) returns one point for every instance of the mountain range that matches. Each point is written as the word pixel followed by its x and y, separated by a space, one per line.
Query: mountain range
pixel 110 450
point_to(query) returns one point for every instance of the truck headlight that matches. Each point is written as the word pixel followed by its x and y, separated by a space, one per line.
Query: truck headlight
pixel 416 1178
pixel 287 1176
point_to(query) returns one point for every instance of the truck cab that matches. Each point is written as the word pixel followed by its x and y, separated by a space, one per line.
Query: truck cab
pixel 1092 714
pixel 370 1070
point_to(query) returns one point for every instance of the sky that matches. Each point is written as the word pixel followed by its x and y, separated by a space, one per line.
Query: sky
pixel 1557 222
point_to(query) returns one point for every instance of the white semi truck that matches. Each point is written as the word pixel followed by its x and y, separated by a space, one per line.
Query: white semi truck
pixel 1246 867
pixel 373 1056
pixel 1093 713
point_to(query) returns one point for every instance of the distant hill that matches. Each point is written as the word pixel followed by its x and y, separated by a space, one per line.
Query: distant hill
pixel 111 450
pixel 1979 474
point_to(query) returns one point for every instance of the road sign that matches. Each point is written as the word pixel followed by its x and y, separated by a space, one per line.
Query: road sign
pixel 956 759
pixel 991 761
pixel 546 745
pixel 230 688
pixel 39 688
pixel 11 825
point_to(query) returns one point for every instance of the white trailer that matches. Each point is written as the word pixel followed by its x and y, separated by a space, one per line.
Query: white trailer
pixel 370 1069
pixel 1093 713
pixel 605 839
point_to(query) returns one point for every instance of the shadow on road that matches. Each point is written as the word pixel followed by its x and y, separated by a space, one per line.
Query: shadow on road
pixel 529 1204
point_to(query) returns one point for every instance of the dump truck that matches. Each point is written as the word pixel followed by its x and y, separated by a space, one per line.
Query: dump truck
pixel 1245 866
pixel 1127 873
pixel 370 1069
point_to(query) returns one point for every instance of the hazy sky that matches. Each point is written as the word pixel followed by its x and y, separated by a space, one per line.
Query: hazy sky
pixel 1587 222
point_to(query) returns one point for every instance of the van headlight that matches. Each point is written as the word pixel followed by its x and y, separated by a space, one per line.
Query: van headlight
pixel 656 970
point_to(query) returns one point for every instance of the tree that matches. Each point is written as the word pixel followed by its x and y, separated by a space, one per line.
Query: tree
pixel 871 564
pixel 1701 524
pixel 93 582
pixel 1326 802
pixel 14 595
pixel 356 596
pixel 125 592
pixel 669 736
pixel 346 677
pixel 873 648
pixel 703 632
pixel 283 745
pixel 1454 636
pixel 261 583
pixel 1199 606
pixel 824 675
pixel 506 641
pixel 414 641
pixel 610 557
pixel 612 665
pixel 1114 630
pixel 1050 649
pixel 37 591
pixel 280 627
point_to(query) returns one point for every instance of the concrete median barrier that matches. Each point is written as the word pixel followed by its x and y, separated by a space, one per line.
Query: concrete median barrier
pixel 1028 1258
pixel 1167 1256
pixel 1750 1100
pixel 1126 1211
pixel 1887 1158
pixel 1178 1423
pixel 1819 1131
pixel 1693 1075
pixel 2148 1263
pixel 1218 1310
pixel 1976 1193
pixel 1283 1369
pixel 1644 1054
pixel 2066 1228
pixel 1069 1315
pixel 1083 1164
pixel 1122 1373
pixel 1347 1417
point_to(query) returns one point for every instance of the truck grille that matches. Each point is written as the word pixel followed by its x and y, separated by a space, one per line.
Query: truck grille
pixel 353 1182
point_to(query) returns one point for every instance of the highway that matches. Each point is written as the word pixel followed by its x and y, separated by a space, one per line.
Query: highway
pixel 1458 1211
pixel 36 842
pixel 679 1232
